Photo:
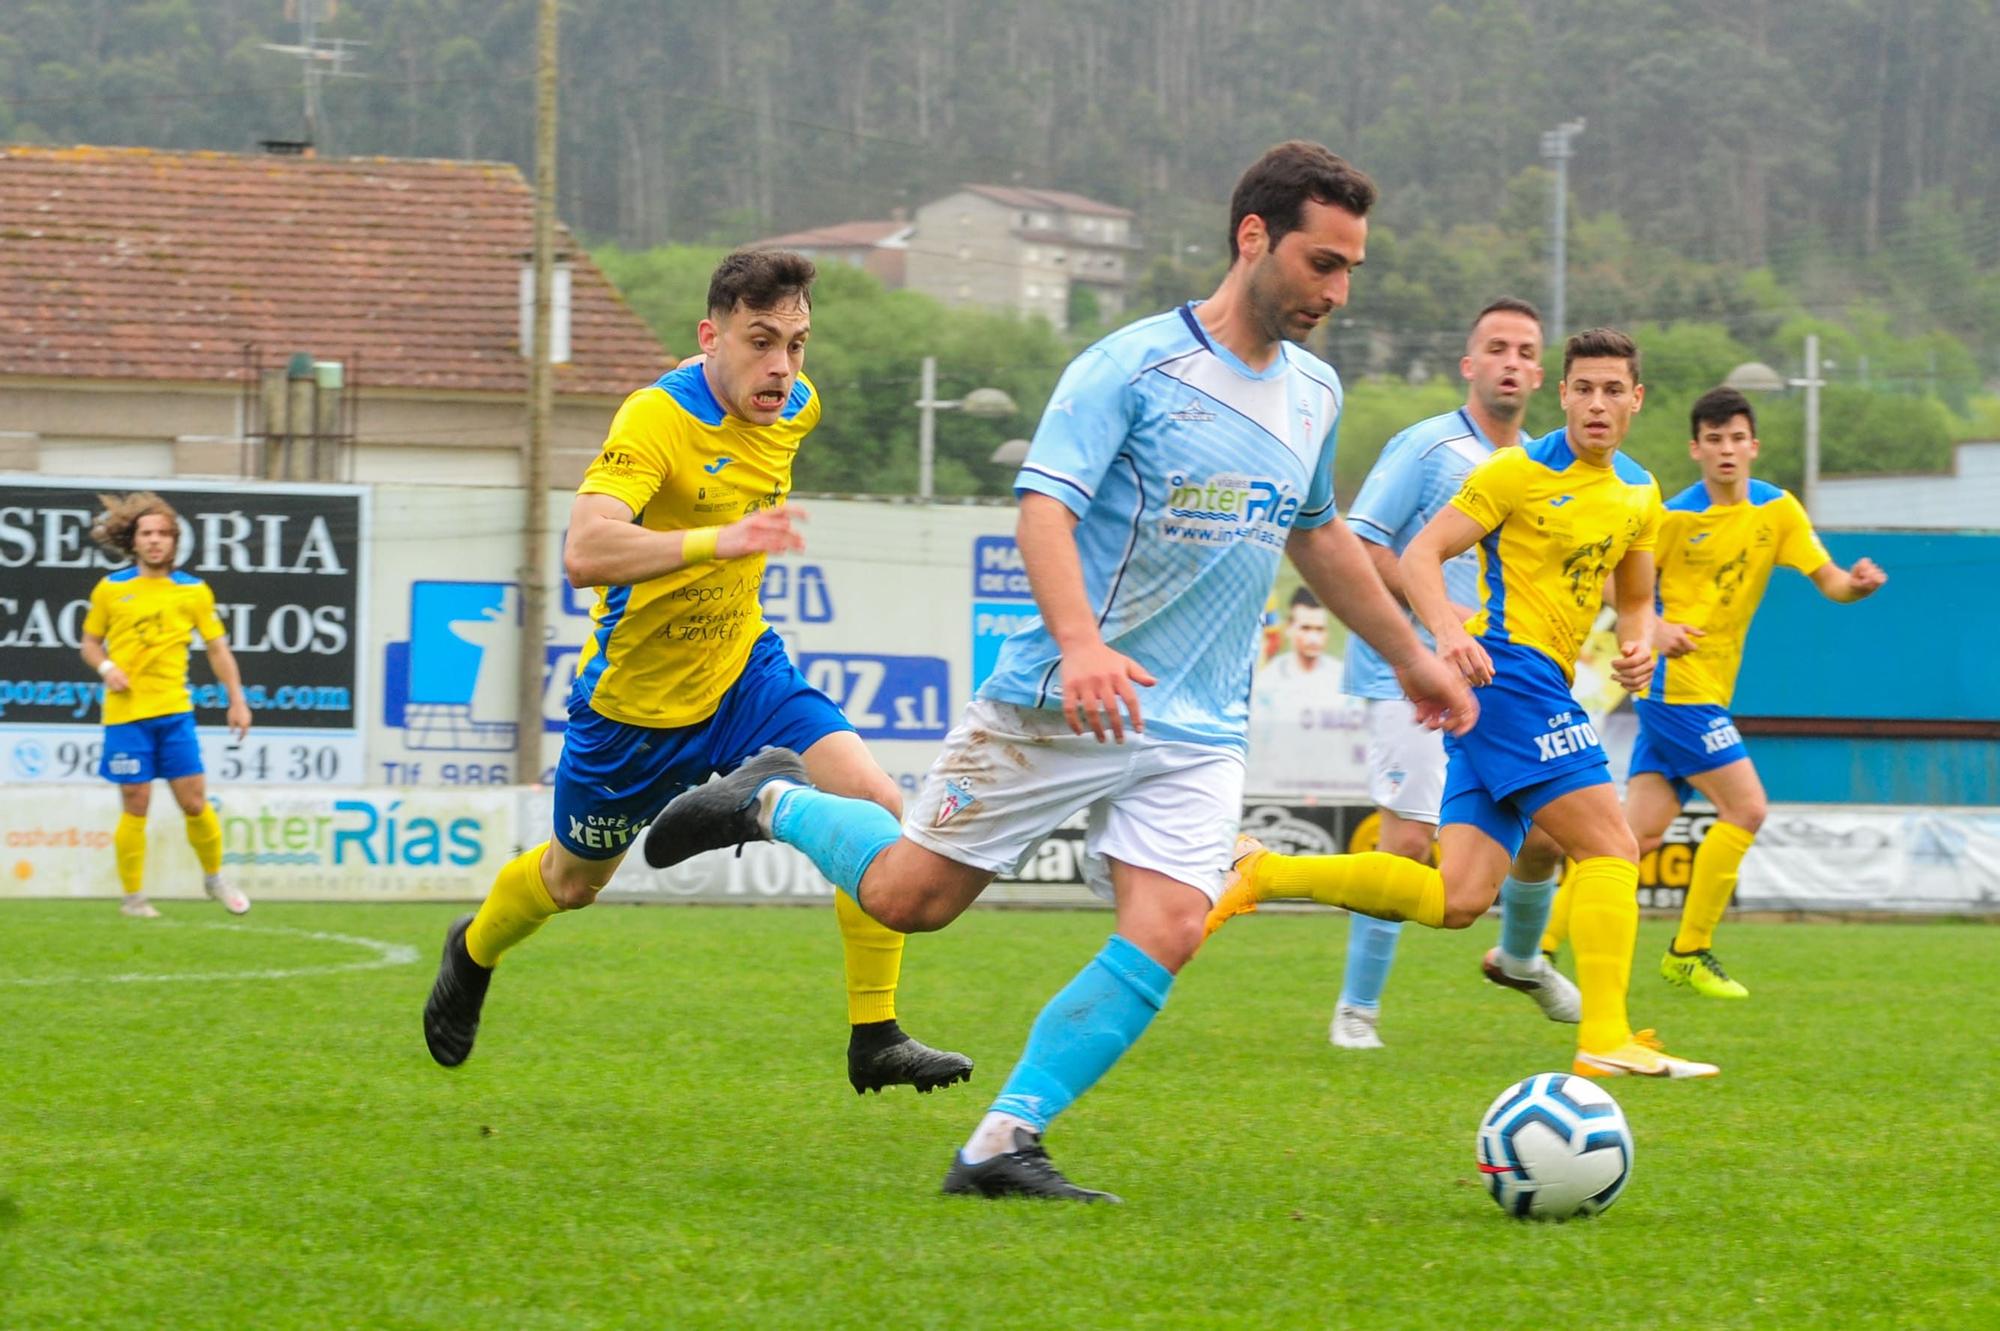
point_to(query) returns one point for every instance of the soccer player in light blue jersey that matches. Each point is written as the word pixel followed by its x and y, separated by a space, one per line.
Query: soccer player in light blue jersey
pixel 1417 474
pixel 1179 458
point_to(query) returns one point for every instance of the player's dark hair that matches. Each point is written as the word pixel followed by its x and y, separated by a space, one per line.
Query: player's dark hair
pixel 1506 305
pixel 1278 184
pixel 116 526
pixel 1718 407
pixel 1302 596
pixel 1607 342
pixel 761 280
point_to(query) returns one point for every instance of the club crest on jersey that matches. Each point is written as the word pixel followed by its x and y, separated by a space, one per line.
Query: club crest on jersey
pixel 956 797
pixel 1193 412
pixel 1221 510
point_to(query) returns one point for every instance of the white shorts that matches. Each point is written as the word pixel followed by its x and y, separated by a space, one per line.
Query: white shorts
pixel 1011 775
pixel 1405 761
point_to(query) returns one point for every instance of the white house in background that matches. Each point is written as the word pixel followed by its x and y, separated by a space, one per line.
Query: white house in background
pixel 1966 498
pixel 1004 247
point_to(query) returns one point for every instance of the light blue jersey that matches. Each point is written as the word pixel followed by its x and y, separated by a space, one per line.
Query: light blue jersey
pixel 1418 473
pixel 1186 470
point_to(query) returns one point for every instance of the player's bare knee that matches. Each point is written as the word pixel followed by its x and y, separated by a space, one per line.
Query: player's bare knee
pixel 907 911
pixel 1172 940
pixel 571 893
pixel 1465 902
pixel 1615 842
pixel 1410 840
pixel 1748 815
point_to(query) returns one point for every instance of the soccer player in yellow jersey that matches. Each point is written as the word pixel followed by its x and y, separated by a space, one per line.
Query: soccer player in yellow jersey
pixel 1719 540
pixel 681 677
pixel 1551 520
pixel 136 636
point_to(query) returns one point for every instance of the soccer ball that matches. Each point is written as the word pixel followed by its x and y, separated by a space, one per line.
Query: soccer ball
pixel 1555 1146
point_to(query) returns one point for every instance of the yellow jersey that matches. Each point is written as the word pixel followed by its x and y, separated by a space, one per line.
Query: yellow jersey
pixel 662 653
pixel 1555 528
pixel 1714 563
pixel 147 625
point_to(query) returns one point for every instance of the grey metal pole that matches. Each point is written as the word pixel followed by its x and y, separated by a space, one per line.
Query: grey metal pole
pixel 1812 386
pixel 1556 148
pixel 927 431
pixel 541 384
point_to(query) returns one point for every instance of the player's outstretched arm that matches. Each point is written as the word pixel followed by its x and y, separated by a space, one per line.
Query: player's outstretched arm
pixel 1848 585
pixel 1096 681
pixel 1450 534
pixel 605 548
pixel 1632 591
pixel 223 662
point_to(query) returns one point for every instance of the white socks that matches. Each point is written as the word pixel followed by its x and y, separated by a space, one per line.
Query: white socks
pixel 767 800
pixel 994 1136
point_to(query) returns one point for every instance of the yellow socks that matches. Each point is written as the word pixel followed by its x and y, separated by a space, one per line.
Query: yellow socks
pixel 1712 883
pixel 515 908
pixel 1604 925
pixel 128 844
pixel 1558 928
pixel 874 956
pixel 205 835
pixel 1386 886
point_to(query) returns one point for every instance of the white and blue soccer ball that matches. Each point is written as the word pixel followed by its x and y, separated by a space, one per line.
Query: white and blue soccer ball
pixel 1555 1146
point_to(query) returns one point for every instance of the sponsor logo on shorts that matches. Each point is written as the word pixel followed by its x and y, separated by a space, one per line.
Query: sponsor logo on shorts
pixel 601 831
pixel 956 797
pixel 123 764
pixel 1566 736
pixel 1720 735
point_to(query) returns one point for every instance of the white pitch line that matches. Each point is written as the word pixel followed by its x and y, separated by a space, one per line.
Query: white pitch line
pixel 386 955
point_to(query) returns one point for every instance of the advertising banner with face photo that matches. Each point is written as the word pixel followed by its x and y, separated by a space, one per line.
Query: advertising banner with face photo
pixel 287 566
pixel 1307 737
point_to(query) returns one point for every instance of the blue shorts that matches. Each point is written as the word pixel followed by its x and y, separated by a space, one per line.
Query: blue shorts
pixel 135 752
pixel 613 778
pixel 1532 742
pixel 1683 739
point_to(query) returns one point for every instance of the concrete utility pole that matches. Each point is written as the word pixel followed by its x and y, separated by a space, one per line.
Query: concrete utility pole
pixel 541 384
pixel 1556 148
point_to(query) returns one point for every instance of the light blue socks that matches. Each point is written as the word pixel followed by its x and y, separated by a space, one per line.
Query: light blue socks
pixel 1084 1030
pixel 1524 914
pixel 841 836
pixel 1371 950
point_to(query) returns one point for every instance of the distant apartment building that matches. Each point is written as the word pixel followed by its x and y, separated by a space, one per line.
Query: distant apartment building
pixel 995 247
pixel 1003 247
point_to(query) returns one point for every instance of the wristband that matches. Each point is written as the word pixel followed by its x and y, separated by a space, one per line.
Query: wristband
pixel 698 545
pixel 106 666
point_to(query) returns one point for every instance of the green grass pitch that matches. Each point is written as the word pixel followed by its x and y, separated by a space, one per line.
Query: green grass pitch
pixel 656 1131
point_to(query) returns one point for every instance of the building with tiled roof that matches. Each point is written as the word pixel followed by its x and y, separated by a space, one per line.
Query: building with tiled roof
pixel 148 297
pixel 1031 251
pixel 874 246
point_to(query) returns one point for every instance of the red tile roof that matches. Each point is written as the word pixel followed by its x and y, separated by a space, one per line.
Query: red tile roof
pixel 839 236
pixel 130 263
pixel 1015 196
